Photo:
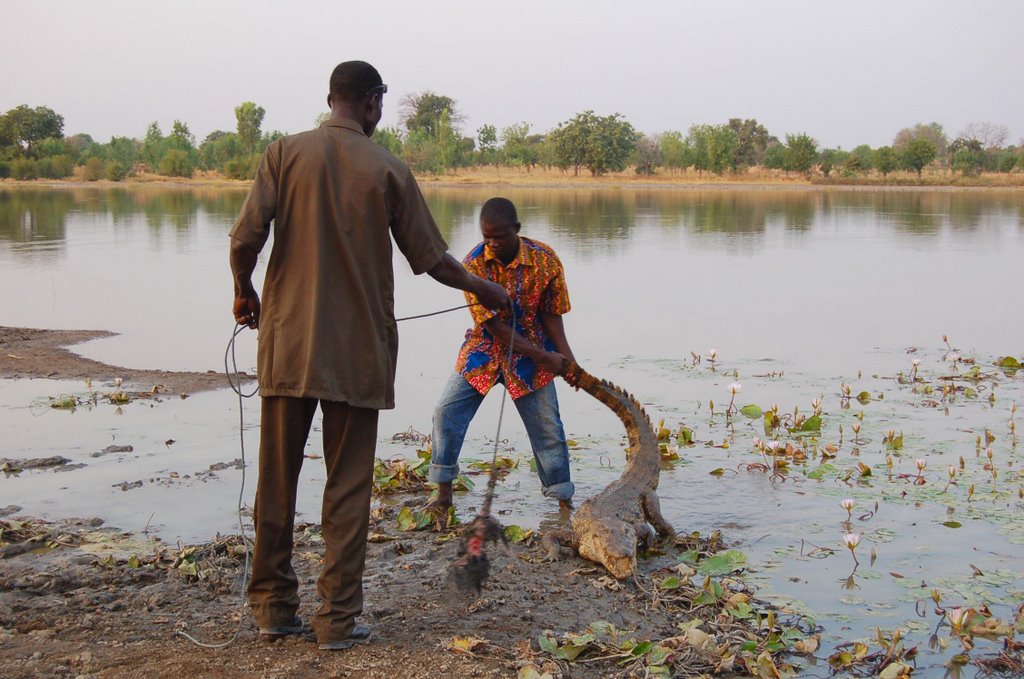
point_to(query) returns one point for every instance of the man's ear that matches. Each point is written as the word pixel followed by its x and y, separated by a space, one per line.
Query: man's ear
pixel 518 226
pixel 329 104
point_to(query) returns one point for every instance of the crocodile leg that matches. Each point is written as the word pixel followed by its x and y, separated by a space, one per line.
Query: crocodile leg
pixel 553 540
pixel 652 510
pixel 644 535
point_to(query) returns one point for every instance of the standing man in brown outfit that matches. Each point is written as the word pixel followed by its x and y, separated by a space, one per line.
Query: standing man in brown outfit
pixel 328 336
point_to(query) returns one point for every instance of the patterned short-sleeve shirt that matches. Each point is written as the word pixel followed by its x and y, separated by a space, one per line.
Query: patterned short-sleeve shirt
pixel 535 281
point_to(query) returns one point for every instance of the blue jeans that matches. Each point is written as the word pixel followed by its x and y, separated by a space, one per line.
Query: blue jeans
pixel 539 409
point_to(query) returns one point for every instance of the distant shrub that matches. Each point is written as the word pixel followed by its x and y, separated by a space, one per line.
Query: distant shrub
pixel 94 169
pixel 116 172
pixel 5 169
pixel 56 167
pixel 243 167
pixel 177 163
pixel 23 168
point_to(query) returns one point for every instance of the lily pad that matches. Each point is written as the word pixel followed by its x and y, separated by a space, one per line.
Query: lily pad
pixel 723 563
pixel 752 411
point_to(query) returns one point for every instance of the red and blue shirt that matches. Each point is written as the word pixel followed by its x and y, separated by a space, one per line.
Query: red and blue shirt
pixel 535 281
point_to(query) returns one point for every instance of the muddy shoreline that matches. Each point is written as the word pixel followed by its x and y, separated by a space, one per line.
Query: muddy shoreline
pixel 27 353
pixel 82 599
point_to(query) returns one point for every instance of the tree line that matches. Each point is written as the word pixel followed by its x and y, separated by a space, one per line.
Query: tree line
pixel 32 145
pixel 429 139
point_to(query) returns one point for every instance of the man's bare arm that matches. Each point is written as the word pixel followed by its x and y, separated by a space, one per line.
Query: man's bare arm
pixel 555 329
pixel 551 361
pixel 449 271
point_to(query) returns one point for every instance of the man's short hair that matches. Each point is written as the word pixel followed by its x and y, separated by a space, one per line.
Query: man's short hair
pixel 352 80
pixel 499 211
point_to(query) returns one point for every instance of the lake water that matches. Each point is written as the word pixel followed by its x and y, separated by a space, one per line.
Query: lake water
pixel 798 292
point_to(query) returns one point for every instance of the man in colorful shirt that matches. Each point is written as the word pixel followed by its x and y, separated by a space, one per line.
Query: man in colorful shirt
pixel 533 277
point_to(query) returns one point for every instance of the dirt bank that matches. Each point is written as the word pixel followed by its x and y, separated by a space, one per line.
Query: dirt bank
pixel 80 599
pixel 28 352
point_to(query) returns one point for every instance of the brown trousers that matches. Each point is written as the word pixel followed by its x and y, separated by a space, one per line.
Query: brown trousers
pixel 350 437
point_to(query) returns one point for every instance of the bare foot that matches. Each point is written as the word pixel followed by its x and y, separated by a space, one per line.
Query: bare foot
pixel 438 507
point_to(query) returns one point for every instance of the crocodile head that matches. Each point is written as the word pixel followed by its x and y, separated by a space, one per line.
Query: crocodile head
pixel 612 544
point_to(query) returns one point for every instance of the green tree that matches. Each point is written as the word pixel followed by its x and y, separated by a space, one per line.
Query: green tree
pixel 722 143
pixel 177 163
pixel 24 169
pixel 519 148
pixel 826 161
pixel 436 150
pixel 775 157
pixel 487 143
pixel 26 126
pixel 967 155
pixel 1004 160
pixel 181 138
pixel 8 136
pixel 647 155
pixel 116 172
pixel 153 147
pixel 673 151
pixel 752 141
pixel 55 167
pixel 865 157
pixel 713 147
pixel 390 138
pixel 917 154
pixel 94 170
pixel 849 164
pixel 81 146
pixel 421 112
pixel 218 149
pixel 249 117
pixel 599 143
pixel 801 152
pixel 886 160
pixel 242 167
pixel 51 146
pixel 124 151
pixel 931 132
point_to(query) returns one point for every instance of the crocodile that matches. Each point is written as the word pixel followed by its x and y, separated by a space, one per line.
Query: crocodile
pixel 607 527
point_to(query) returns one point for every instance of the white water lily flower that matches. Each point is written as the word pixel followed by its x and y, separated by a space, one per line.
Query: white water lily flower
pixel 956 617
pixel 848 504
pixel 712 353
pixel 921 464
pixel 851 540
pixel 774 445
pixel 916 362
pixel 735 388
pixel 952 471
pixel 953 358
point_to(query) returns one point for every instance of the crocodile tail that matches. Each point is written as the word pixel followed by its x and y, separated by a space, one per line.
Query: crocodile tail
pixel 643 442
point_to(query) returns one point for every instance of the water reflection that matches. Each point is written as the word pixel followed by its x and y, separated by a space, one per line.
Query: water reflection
pixel 34 215
pixel 40 215
pixel 595 219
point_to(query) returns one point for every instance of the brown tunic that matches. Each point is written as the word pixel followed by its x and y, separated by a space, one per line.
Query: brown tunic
pixel 327 326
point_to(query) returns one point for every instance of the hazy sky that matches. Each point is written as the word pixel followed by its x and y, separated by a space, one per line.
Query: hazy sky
pixel 845 73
